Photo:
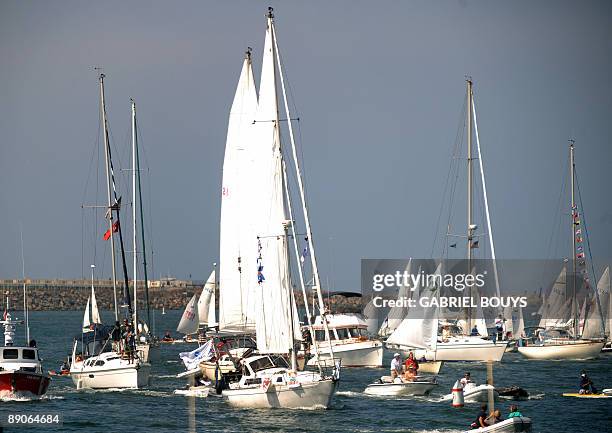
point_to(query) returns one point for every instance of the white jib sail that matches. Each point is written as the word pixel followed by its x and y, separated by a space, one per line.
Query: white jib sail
pixel 592 325
pixel 189 320
pixel 274 310
pixel 206 300
pixel 237 240
pixel 419 328
pixel 95 313
pixel 398 312
pixel 554 302
pixel 86 321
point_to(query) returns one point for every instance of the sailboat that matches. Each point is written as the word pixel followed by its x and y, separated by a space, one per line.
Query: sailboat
pixel 270 377
pixel 570 345
pixel 461 345
pixel 147 344
pixel 106 356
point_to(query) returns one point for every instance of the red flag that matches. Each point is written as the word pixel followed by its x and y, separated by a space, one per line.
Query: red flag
pixel 107 234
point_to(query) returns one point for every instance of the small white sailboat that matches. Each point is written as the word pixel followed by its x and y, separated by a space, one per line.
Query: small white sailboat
pixel 572 347
pixel 106 356
pixel 268 380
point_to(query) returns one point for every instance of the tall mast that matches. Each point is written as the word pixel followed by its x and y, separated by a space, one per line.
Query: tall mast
pixel 315 270
pixel 573 213
pixel 142 231
pixel 469 190
pixel 134 244
pixel 25 292
pixel 108 185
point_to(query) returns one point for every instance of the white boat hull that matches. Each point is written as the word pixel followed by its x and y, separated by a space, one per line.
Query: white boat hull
pixel 573 350
pixel 122 377
pixel 404 388
pixel 310 395
pixel 460 349
pixel 358 354
pixel 510 425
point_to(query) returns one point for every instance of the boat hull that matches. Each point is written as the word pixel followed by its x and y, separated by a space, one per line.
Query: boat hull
pixel 123 377
pixel 510 425
pixel 470 349
pixel 23 384
pixel 578 350
pixel 360 354
pixel 149 352
pixel 405 388
pixel 311 395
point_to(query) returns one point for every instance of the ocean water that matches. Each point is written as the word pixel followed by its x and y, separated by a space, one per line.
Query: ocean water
pixel 157 410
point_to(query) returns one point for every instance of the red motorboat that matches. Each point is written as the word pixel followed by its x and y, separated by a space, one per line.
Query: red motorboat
pixel 21 373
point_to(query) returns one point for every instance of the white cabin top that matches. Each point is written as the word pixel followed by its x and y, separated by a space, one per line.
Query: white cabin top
pixel 344 320
pixel 13 358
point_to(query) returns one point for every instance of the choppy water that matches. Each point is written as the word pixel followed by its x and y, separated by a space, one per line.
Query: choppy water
pixel 157 410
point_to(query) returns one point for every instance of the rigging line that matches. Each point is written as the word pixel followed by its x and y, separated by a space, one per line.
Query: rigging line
pixel 455 162
pixel 555 228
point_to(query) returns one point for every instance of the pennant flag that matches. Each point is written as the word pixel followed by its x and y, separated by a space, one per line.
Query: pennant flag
pixel 579 249
pixel 474 244
pixel 578 238
pixel 578 231
pixel 577 222
pixel 107 234
pixel 580 256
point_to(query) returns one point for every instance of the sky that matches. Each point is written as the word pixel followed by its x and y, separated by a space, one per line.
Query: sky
pixel 379 88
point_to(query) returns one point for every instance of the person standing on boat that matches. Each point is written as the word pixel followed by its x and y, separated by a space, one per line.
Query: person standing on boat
pixel 586 384
pixel 396 366
pixel 411 367
pixel 499 327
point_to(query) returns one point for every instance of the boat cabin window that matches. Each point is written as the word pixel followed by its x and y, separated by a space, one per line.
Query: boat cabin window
pixel 10 354
pixel 355 332
pixel 98 363
pixel 320 335
pixel 342 333
pixel 240 343
pixel 280 362
pixel 29 354
pixel 261 364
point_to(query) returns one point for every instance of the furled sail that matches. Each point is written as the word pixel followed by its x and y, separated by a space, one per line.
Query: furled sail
pixel 189 321
pixel 238 242
pixel 276 318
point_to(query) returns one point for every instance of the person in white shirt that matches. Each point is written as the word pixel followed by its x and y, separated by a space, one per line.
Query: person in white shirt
pixel 466 379
pixel 396 366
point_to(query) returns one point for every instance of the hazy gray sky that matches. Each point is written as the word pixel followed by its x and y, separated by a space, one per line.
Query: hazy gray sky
pixel 379 87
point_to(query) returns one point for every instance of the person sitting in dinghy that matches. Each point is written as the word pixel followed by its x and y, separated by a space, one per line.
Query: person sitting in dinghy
pixel 481 419
pixel 514 411
pixel 467 378
pixel 494 417
pixel 396 366
pixel 586 384
pixel 411 367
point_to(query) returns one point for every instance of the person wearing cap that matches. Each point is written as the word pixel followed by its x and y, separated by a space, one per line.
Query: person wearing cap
pixel 586 384
pixel 396 366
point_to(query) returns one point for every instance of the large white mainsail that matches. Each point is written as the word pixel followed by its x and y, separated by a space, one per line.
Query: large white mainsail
pixel 237 239
pixel 189 321
pixel 275 315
